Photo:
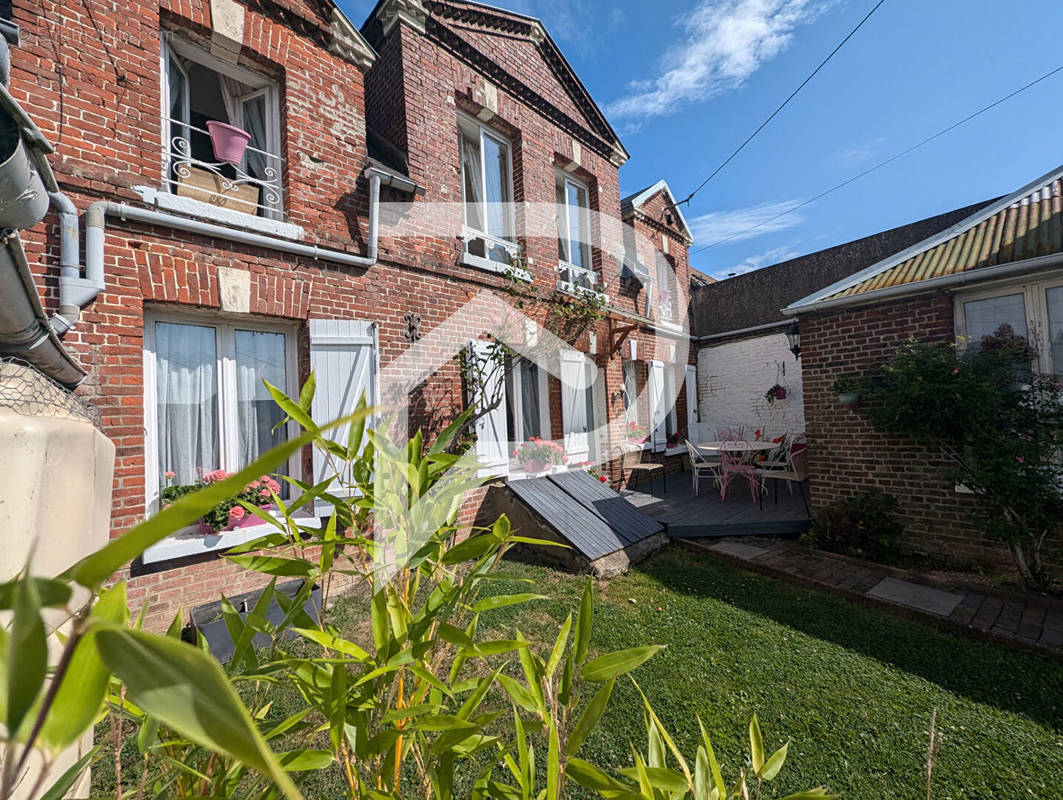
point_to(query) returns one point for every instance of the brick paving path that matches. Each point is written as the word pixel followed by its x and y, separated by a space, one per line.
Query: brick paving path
pixel 1013 619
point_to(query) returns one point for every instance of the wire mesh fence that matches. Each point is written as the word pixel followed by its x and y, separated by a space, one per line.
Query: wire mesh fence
pixel 27 391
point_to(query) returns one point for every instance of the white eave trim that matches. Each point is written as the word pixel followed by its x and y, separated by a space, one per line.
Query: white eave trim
pixel 920 247
pixel 662 185
pixel 348 42
pixel 741 331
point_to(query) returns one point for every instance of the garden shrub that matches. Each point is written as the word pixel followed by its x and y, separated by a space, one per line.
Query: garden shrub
pixel 863 526
pixel 998 425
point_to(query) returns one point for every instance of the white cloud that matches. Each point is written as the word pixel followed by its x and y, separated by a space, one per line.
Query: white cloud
pixel 724 42
pixel 853 156
pixel 739 224
pixel 755 262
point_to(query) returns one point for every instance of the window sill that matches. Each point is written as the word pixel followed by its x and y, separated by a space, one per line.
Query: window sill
pixel 186 206
pixel 674 451
pixel 570 289
pixel 190 542
pixel 486 264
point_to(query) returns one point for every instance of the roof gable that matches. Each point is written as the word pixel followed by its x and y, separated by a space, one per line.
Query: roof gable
pixel 634 202
pixel 1025 224
pixel 471 30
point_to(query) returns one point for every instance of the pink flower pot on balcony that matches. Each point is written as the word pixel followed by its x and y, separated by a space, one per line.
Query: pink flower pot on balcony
pixel 533 466
pixel 229 141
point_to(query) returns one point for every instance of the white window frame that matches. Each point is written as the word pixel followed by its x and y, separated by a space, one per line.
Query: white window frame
pixel 1037 327
pixel 174 45
pixel 517 409
pixel 663 269
pixel 225 343
pixel 565 267
pixel 474 129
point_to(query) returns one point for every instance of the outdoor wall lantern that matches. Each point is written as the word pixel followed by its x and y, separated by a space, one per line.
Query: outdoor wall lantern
pixel 793 338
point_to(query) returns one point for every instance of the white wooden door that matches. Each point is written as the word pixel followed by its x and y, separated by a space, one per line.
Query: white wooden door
pixel 575 416
pixel 343 358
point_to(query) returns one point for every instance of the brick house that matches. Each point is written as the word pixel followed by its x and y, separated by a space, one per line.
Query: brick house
pixel 1000 264
pixel 739 329
pixel 201 276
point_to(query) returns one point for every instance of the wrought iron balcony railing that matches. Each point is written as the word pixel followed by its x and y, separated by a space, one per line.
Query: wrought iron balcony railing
pixel 254 186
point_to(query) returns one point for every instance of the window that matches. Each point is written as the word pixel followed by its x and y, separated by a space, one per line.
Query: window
pixel 525 406
pixel 670 396
pixel 1034 311
pixel 1054 302
pixel 199 89
pixel 487 196
pixel 574 235
pixel 630 392
pixel 666 288
pixel 984 317
pixel 207 406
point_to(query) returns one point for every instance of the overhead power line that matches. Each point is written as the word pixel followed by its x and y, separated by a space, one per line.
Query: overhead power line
pixel 793 94
pixel 881 164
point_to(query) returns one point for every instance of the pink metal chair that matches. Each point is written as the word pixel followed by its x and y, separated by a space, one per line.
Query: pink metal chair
pixel 733 464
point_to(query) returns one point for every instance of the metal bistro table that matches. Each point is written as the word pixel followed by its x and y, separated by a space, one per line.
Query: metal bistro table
pixel 714 448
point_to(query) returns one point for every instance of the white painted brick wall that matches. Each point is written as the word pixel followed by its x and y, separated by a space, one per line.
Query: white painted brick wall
pixel 732 380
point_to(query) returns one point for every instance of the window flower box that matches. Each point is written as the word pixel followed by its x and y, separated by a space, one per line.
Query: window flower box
pixel 230 514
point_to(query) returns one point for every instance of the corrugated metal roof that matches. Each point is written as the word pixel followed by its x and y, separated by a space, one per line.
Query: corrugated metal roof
pixel 1028 226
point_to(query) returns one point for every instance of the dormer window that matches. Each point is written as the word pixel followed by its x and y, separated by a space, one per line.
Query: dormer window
pixel 487 197
pixel 575 268
pixel 234 165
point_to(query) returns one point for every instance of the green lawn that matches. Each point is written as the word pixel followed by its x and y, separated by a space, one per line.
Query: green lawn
pixel 851 686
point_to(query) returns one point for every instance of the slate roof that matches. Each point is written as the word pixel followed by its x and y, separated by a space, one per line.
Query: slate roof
pixel 1026 224
pixel 757 297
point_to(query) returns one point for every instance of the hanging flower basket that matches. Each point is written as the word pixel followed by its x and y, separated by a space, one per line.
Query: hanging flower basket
pixel 776 392
pixel 229 141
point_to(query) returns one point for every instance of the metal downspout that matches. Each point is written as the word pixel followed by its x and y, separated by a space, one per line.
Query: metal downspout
pixel 81 291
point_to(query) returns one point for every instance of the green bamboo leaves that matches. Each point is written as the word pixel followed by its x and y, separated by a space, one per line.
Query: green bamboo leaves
pixel 185 688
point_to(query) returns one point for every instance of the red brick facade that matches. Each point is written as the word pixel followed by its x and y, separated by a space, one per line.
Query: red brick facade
pixel 847 456
pixel 93 84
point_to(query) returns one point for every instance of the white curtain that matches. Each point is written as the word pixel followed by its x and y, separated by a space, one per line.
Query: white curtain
pixel 231 92
pixel 471 169
pixel 186 400
pixel 259 357
pixel 248 113
pixel 254 115
pixel 496 177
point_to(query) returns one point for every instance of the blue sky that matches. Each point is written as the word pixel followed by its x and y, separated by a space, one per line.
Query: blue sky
pixel 685 81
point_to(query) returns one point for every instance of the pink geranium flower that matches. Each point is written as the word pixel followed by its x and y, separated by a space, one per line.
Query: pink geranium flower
pixel 170 475
pixel 215 476
pixel 237 513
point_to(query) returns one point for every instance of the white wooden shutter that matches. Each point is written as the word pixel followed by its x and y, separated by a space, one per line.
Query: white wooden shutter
pixel 343 358
pixel 692 400
pixel 574 383
pixel 658 407
pixel 492 447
